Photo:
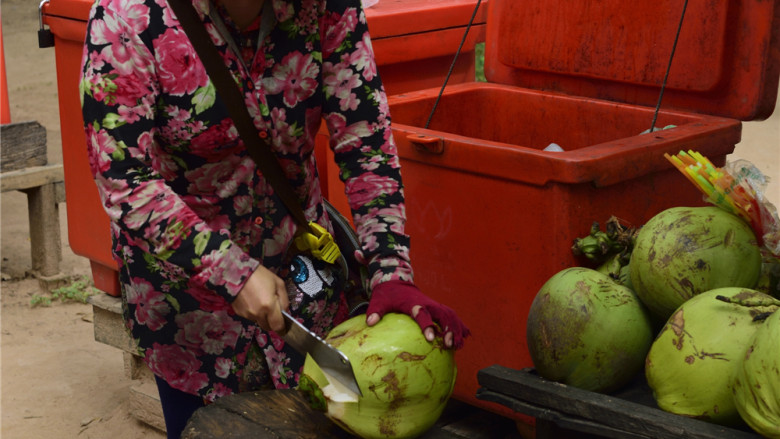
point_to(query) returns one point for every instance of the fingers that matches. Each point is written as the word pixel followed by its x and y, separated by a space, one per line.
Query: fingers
pixel 269 318
pixel 276 319
pixel 373 319
pixel 429 333
pixel 448 339
pixel 433 318
pixel 281 294
pixel 375 311
pixel 276 322
pixel 423 318
pixel 430 328
pixel 262 299
pixel 273 316
pixel 453 329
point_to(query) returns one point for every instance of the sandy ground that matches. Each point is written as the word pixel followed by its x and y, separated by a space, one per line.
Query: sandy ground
pixel 57 382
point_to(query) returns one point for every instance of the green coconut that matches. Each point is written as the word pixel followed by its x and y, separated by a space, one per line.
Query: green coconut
pixel 618 269
pixel 769 280
pixel 406 380
pixel 756 382
pixel 684 251
pixel 586 330
pixel 692 360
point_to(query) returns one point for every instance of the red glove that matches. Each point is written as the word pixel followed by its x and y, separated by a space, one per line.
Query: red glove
pixel 406 298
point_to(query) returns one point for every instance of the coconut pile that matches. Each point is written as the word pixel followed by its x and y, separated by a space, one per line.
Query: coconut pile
pixel 689 299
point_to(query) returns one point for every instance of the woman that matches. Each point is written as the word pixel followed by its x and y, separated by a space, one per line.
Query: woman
pixel 198 233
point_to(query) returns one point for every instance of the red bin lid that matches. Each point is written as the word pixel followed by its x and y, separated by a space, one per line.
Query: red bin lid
pixel 390 18
pixel 68 9
pixel 727 60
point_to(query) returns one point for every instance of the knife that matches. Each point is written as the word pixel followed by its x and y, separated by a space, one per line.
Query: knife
pixel 331 360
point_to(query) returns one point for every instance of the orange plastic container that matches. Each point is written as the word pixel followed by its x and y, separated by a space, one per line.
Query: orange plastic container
pixel 433 28
pixel 88 225
pixel 415 43
pixel 492 215
pixel 5 107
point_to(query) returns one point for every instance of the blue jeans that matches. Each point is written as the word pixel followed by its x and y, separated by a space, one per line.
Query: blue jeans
pixel 177 406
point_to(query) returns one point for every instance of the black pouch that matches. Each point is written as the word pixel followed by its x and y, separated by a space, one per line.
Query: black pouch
pixel 309 278
pixel 355 274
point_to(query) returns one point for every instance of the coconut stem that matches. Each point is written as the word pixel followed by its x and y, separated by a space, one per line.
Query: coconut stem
pixel 598 246
pixel 767 301
pixel 763 316
pixel 753 302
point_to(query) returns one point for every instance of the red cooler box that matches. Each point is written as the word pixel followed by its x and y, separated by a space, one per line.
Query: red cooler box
pixel 492 215
pixel 414 42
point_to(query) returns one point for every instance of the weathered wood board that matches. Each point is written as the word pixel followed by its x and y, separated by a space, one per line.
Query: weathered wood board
pixel 286 414
pixel 260 415
pixel 23 146
pixel 34 177
pixel 630 413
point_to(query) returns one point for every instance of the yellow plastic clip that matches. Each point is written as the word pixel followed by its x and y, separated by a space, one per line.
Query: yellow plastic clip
pixel 319 242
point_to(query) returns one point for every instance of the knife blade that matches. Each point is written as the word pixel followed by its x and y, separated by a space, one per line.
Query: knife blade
pixel 331 360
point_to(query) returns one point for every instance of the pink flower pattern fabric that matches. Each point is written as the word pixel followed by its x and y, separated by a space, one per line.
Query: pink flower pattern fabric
pixel 191 217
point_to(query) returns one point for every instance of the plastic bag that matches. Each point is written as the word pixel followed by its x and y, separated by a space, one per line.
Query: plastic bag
pixel 740 188
pixel 764 215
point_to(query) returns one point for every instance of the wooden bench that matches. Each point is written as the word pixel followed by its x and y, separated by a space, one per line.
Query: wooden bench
pixel 109 328
pixel 24 167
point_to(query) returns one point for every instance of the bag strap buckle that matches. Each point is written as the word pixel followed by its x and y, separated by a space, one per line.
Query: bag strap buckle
pixel 319 242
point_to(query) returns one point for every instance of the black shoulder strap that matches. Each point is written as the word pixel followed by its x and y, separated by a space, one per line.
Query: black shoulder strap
pixel 259 148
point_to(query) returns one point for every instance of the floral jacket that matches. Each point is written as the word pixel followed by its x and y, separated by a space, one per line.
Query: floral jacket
pixel 191 217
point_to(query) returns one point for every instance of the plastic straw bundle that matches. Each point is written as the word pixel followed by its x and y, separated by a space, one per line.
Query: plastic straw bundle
pixel 737 188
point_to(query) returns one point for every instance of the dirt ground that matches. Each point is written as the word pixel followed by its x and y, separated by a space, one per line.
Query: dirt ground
pixel 56 380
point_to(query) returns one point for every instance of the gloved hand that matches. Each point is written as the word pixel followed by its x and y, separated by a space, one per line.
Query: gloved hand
pixel 433 317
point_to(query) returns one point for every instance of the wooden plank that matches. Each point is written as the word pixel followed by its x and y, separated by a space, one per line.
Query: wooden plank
pixel 106 302
pixel 524 391
pixel 31 177
pixel 108 323
pixel 109 328
pixel 261 415
pixel 23 145
pixel 550 430
pixel 286 413
pixel 44 218
pixel 59 191
pixel 135 368
pixel 145 404
pixel 477 424
pixel 558 425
